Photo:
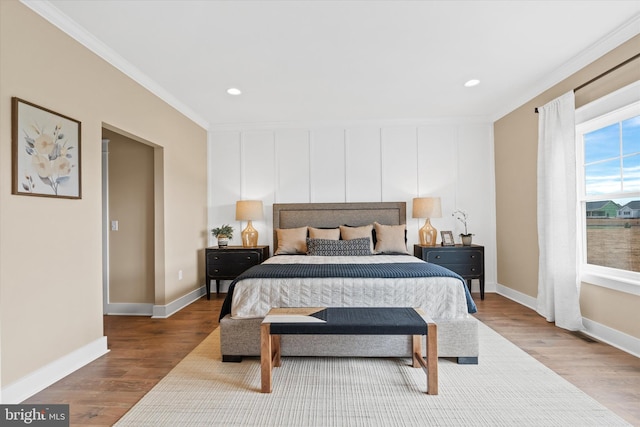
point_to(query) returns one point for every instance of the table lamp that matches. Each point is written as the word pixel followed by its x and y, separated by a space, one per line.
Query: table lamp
pixel 248 210
pixel 427 207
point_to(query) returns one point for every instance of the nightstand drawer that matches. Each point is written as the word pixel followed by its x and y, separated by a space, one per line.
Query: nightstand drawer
pixel 455 257
pixel 238 258
pixel 464 269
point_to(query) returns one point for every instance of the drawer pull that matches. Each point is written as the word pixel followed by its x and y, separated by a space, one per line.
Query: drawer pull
pixel 215 257
pixel 437 256
pixel 249 258
pixel 216 271
pixel 473 256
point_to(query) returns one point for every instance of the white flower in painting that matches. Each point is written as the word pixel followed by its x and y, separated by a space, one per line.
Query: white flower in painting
pixel 42 165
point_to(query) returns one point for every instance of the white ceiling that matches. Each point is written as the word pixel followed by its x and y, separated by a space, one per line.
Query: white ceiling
pixel 328 61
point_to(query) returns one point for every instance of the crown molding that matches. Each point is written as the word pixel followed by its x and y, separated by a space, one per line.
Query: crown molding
pixel 623 33
pixel 52 14
pixel 345 124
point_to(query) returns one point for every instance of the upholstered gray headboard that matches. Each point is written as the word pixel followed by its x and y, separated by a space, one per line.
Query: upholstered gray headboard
pixel 324 215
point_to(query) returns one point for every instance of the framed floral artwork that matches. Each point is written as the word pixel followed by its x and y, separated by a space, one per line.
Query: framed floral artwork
pixel 45 152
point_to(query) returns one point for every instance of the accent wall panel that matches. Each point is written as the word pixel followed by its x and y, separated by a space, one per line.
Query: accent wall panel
pixel 327 166
pixel 258 166
pixel 399 164
pixel 224 178
pixel 363 165
pixel 438 169
pixel 292 166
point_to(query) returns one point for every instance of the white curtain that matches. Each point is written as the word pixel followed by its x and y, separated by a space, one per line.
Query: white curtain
pixel 558 285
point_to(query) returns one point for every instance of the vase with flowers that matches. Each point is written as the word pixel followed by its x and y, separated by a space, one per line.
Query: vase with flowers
pixel 462 216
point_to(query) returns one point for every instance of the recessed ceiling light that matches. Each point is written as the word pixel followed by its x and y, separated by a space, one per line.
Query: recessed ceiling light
pixel 472 82
pixel 234 91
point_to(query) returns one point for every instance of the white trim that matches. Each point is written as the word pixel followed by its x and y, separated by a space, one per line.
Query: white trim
pixel 52 14
pixel 613 337
pixel 603 46
pixel 516 296
pixel 318 124
pixel 129 309
pixel 43 377
pixel 617 283
pixel 164 311
pixel 596 330
pixel 607 104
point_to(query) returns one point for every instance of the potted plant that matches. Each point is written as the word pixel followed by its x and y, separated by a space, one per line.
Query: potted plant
pixel 462 216
pixel 223 234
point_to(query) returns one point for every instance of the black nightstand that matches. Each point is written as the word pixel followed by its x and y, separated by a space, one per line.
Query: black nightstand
pixel 467 261
pixel 228 262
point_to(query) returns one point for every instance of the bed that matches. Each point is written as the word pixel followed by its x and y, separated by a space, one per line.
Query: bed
pixel 311 267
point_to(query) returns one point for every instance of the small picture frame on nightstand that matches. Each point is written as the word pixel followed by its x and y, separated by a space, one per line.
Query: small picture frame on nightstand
pixel 447 238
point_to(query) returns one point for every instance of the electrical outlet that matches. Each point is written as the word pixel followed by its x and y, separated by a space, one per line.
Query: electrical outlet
pixel 114 225
pixel 179 274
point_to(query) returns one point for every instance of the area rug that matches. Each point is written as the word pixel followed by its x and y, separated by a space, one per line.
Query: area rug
pixel 507 388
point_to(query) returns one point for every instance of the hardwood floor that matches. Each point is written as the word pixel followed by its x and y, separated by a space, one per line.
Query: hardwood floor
pixel 143 350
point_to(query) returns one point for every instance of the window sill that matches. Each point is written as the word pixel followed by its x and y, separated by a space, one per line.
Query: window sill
pixel 620 284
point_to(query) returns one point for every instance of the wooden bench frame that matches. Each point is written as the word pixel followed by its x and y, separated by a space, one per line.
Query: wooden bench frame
pixel 270 355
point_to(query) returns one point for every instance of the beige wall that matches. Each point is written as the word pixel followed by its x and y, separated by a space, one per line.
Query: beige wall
pixel 516 144
pixel 50 249
pixel 131 203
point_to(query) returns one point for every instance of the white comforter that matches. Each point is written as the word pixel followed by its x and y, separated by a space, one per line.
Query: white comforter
pixel 440 297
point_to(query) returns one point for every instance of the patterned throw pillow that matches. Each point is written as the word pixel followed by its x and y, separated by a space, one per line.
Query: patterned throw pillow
pixel 325 247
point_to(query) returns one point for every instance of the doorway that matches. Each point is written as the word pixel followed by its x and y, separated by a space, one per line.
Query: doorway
pixel 128 186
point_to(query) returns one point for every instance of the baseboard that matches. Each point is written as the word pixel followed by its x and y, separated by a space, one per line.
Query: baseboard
pixel 42 378
pixel 611 336
pixel 596 330
pixel 164 311
pixel 519 297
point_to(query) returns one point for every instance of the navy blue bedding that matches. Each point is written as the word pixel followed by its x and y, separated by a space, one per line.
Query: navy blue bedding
pixel 389 270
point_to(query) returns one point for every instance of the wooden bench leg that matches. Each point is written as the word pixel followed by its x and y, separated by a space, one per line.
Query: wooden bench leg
pixel 430 366
pixel 432 358
pixel 265 357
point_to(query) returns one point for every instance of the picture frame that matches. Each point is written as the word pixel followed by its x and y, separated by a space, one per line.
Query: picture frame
pixel 447 238
pixel 46 156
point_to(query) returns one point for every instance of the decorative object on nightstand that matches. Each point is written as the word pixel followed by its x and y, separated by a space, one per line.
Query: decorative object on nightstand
pixel 467 261
pixel 228 262
pixel 463 217
pixel 447 238
pixel 427 207
pixel 223 234
pixel 248 210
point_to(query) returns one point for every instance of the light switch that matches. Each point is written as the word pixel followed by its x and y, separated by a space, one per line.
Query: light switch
pixel 114 225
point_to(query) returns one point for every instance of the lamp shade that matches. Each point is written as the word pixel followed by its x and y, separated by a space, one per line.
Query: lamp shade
pixel 247 210
pixel 427 207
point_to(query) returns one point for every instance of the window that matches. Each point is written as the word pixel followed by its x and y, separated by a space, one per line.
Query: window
pixel 608 166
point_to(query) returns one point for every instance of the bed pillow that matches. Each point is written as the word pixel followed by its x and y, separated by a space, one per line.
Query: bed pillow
pixel 328 247
pixel 324 233
pixel 350 233
pixel 390 239
pixel 291 241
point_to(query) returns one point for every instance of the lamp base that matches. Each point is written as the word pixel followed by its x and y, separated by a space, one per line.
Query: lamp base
pixel 428 234
pixel 249 236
